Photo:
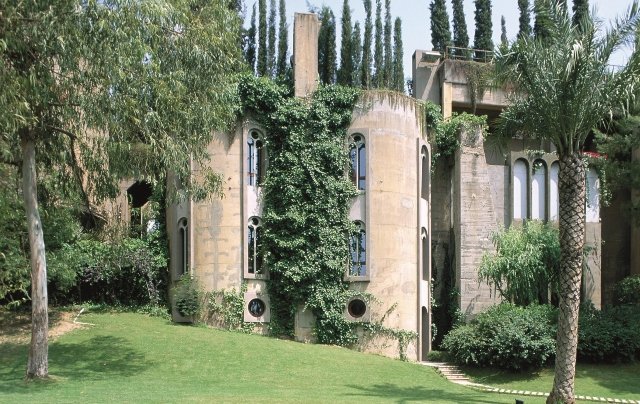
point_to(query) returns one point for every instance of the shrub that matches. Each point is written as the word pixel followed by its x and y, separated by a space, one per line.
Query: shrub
pixel 525 263
pixel 505 336
pixel 611 335
pixel 627 291
pixel 187 297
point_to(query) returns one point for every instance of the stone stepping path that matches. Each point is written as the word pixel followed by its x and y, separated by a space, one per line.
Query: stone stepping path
pixel 455 375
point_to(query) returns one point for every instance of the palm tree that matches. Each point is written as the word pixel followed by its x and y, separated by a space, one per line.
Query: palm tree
pixel 564 87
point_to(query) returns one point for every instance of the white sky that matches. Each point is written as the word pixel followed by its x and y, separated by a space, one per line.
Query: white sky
pixel 415 17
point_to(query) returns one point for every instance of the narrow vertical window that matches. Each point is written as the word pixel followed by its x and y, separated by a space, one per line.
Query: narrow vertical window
pixel 593 196
pixel 357 155
pixel 358 251
pixel 255 159
pixel 254 257
pixel 520 189
pixel 425 164
pixel 183 246
pixel 539 190
pixel 554 201
pixel 425 255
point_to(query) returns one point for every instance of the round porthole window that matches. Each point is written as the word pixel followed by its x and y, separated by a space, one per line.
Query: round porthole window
pixel 256 307
pixel 357 308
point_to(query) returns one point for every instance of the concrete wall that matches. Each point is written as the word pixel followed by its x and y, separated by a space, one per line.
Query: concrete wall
pixel 306 28
pixel 475 218
pixel 393 136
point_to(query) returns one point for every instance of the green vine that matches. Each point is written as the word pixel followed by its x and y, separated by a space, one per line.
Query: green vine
pixel 306 197
pixel 226 309
pixel 478 77
pixel 444 132
pixel 377 328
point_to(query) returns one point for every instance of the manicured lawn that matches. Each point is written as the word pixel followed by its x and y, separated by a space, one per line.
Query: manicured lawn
pixel 133 358
pixel 610 381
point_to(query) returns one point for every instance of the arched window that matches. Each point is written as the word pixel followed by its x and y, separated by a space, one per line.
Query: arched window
pixel 539 190
pixel 255 158
pixel 183 246
pixel 357 155
pixel 358 251
pixel 554 201
pixel 255 266
pixel 425 164
pixel 520 189
pixel 593 196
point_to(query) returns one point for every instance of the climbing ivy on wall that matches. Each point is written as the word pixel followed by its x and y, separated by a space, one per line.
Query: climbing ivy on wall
pixel 306 198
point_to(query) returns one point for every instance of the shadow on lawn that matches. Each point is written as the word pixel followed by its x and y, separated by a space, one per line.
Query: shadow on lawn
pixel 95 359
pixel 415 393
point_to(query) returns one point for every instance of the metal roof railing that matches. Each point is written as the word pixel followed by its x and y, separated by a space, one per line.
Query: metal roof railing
pixel 476 55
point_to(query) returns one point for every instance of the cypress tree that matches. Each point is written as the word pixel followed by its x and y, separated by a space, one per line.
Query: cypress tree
pixel 388 50
pixel 378 51
pixel 504 42
pixel 484 27
pixel 398 54
pixel 440 33
pixel 460 35
pixel 525 19
pixel 580 10
pixel 327 46
pixel 366 47
pixel 345 73
pixel 262 37
pixel 271 55
pixel 542 24
pixel 283 46
pixel 356 54
pixel 250 49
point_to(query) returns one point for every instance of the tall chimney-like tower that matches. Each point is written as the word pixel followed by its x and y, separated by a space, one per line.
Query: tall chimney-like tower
pixel 306 28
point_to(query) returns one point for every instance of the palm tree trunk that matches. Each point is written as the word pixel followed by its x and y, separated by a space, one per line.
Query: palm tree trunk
pixel 38 364
pixel 572 229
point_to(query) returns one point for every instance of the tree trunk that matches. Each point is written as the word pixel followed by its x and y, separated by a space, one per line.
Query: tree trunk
pixel 572 234
pixel 38 364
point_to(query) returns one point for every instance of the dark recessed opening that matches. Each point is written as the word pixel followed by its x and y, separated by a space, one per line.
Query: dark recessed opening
pixel 139 193
pixel 357 308
pixel 256 307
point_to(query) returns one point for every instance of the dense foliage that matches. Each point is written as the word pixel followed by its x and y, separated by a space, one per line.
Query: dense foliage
pixel 484 27
pixel 306 199
pixel 445 132
pixel 524 21
pixel 611 335
pixel 525 265
pixel 627 291
pixel 505 336
pixel 327 47
pixel 460 34
pixel 345 72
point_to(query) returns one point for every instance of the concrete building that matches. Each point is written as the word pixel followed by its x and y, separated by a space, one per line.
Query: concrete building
pixel 415 226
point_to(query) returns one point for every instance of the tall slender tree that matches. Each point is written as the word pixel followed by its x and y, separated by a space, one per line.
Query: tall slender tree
pixel 542 25
pixel 504 41
pixel 566 89
pixel 378 49
pixel 440 33
pixel 345 72
pixel 524 30
pixel 580 11
pixel 271 41
pixel 283 41
pixel 484 27
pixel 366 46
pixel 388 50
pixel 250 48
pixel 262 38
pixel 356 54
pixel 398 54
pixel 460 34
pixel 327 46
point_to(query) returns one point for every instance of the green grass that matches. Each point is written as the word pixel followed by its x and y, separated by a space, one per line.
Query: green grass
pixel 610 381
pixel 128 357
